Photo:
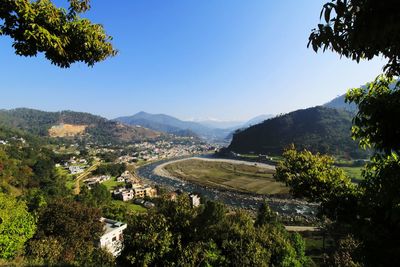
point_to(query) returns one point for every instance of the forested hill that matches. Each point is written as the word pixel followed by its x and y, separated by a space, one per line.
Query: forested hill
pixel 73 124
pixel 340 103
pixel 318 129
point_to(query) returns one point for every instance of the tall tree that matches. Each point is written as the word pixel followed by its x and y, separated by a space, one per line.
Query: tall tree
pixel 360 29
pixel 72 227
pixel 16 226
pixel 63 37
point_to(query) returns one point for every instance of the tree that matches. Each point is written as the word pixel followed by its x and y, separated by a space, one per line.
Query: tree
pixel 64 37
pixel 360 29
pixel 97 196
pixel 312 176
pixel 147 240
pixel 207 237
pixel 70 226
pixel 265 215
pixel 376 122
pixel 16 226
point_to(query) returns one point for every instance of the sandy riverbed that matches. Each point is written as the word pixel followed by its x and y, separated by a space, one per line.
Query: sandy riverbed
pixel 160 169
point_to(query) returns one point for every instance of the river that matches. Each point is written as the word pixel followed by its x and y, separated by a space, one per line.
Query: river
pixel 236 199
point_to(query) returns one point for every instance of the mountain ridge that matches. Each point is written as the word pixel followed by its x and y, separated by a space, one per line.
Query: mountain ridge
pixel 97 128
pixel 319 129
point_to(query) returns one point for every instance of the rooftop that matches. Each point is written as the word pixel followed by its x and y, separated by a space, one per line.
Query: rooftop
pixel 111 225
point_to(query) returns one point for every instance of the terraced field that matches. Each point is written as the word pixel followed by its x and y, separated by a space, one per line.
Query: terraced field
pixel 240 177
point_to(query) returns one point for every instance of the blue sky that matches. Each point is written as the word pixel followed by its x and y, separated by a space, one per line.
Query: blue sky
pixel 224 59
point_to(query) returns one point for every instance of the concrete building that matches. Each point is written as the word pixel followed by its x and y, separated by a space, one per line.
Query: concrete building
pixel 112 239
pixel 194 200
pixel 76 169
pixel 123 194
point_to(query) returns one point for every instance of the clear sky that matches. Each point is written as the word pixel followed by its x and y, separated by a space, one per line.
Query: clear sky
pixel 225 59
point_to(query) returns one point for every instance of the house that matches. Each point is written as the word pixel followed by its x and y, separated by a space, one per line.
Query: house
pixel 76 169
pixel 127 177
pixel 141 191
pixel 120 180
pixel 194 200
pixel 123 194
pixel 112 239
pixel 96 180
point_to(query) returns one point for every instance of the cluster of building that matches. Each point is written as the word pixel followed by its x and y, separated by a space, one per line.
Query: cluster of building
pixel 90 182
pixel 137 191
pixel 168 149
pixel 13 140
pixel 75 165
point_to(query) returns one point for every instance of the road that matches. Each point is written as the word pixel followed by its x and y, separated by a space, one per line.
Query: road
pixel 83 175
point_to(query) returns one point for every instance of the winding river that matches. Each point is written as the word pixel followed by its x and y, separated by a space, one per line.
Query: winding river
pixel 251 201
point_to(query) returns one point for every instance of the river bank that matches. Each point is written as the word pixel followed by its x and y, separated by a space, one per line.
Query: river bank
pixel 156 174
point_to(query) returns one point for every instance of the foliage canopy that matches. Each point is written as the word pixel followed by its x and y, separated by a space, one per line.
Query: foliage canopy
pixel 16 226
pixel 63 37
pixel 360 29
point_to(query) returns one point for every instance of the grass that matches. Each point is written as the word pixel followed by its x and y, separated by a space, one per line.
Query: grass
pixel 239 177
pixel 354 172
pixel 112 183
pixel 69 179
pixel 132 208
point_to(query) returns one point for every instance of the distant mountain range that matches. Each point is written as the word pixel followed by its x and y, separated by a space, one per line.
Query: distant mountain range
pixel 325 128
pixel 74 124
pixel 220 124
pixel 319 129
pixel 215 131
pixel 340 103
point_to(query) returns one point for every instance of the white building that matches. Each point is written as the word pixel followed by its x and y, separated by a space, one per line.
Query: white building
pixel 123 194
pixel 194 200
pixel 76 169
pixel 112 239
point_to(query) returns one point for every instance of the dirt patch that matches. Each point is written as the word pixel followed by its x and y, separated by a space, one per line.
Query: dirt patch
pixel 65 130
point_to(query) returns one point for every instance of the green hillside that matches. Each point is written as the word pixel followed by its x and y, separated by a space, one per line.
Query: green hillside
pixel 98 129
pixel 318 129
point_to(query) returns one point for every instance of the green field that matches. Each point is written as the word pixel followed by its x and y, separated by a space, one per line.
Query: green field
pixel 132 208
pixel 239 177
pixel 112 183
pixel 70 179
pixel 353 172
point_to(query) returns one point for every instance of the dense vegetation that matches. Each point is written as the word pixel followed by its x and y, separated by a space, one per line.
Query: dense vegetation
pixel 110 169
pixel 318 129
pixel 99 130
pixel 174 234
